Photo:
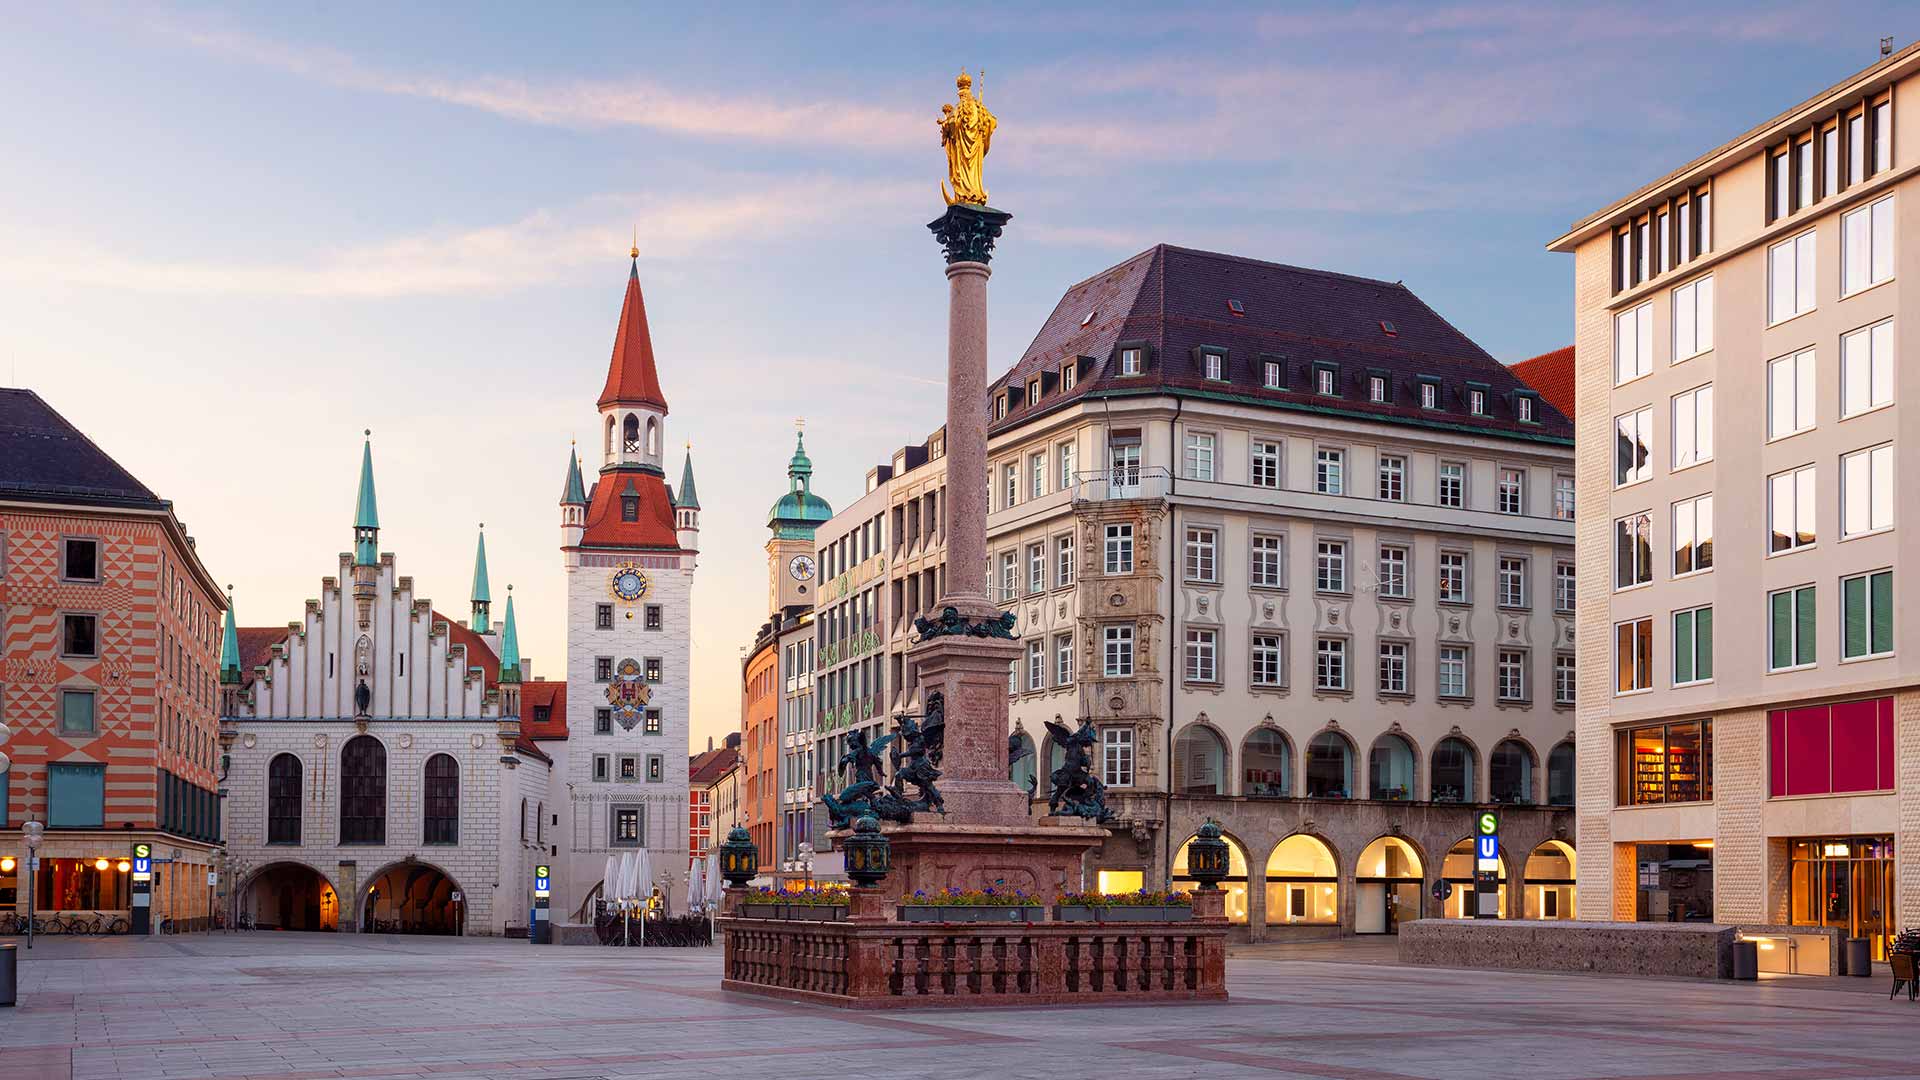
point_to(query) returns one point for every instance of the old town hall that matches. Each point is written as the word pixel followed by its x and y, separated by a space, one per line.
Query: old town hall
pixel 394 769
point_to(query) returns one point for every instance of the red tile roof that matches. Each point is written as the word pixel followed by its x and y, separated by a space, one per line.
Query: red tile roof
pixel 477 651
pixel 655 527
pixel 256 647
pixel 523 745
pixel 537 695
pixel 631 378
pixel 1551 374
pixel 710 765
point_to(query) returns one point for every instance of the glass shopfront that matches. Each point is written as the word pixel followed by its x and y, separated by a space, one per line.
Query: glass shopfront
pixel 97 884
pixel 1845 882
pixel 1234 884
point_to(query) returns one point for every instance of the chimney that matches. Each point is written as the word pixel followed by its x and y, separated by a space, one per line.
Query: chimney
pixel 709 744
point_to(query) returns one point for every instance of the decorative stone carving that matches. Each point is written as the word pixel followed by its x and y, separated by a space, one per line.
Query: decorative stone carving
pixel 478 742
pixel 1116 703
pixel 406 741
pixel 248 741
pixel 1202 604
pixel 1266 609
pixel 319 742
pixel 1117 600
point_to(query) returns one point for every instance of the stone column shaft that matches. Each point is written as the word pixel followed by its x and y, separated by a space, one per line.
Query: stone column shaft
pixel 967 438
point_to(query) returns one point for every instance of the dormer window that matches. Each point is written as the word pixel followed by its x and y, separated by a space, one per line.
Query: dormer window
pixel 1326 380
pixel 1377 389
pixel 1270 374
pixel 1213 366
pixel 1000 406
pixel 1069 371
pixel 1130 361
pixel 1429 394
pixel 1033 390
pixel 629 508
pixel 1523 408
pixel 1477 401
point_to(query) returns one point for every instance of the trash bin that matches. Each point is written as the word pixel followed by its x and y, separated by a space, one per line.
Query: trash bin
pixel 9 973
pixel 1859 957
pixel 1746 960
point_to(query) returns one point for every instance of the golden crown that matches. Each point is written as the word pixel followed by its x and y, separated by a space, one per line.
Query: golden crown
pixel 965 81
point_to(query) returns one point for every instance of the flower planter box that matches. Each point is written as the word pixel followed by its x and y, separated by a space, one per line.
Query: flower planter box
pixel 1122 913
pixel 817 912
pixel 763 911
pixel 956 914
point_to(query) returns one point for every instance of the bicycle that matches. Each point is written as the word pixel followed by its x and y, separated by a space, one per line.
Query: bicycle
pixel 9 924
pixel 244 921
pixel 117 925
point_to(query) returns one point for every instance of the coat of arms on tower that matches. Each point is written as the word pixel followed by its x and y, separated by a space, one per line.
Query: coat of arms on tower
pixel 628 693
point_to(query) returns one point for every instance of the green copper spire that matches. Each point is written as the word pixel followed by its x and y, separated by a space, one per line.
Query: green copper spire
pixel 684 496
pixel 799 512
pixel 509 645
pixel 482 595
pixel 230 648
pixel 366 512
pixel 575 491
pixel 800 467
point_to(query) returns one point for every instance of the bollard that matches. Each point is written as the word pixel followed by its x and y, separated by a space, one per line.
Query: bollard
pixel 1746 960
pixel 9 974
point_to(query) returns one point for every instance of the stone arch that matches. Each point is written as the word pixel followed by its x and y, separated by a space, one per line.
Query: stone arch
pixel 1321 781
pixel 1383 778
pixel 1528 784
pixel 1457 867
pixel 411 896
pixel 653 437
pixel 630 436
pixel 1192 773
pixel 289 894
pixel 612 427
pixel 1389 883
pixel 1268 762
pixel 1303 879
pixel 1026 772
pixel 1441 779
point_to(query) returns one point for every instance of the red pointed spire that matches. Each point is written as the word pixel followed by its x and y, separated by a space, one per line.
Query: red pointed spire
pixel 631 377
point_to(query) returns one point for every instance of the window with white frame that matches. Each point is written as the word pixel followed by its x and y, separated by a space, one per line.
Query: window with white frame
pixel 1009 484
pixel 1036 475
pixel 1692 319
pixel 1429 394
pixel 1118 656
pixel 1330 566
pixel 1866 491
pixel 1566 679
pixel 1212 365
pixel 1477 401
pixel 1202 655
pixel 1512 576
pixel 1510 492
pixel 1270 374
pixel 1130 361
pixel 1450 489
pixel 1265 468
pixel 1633 447
pixel 1330 663
pixel 1633 656
pixel 1523 409
pixel 1268 561
pixel 1790 381
pixel 1790 277
pixel 1199 455
pixel 1063 659
pixel 1009 575
pixel 1116 756
pixel 1693 646
pixel 1393 477
pixel 1563 498
pixel 1792 623
pixel 1632 344
pixel 1324 381
pixel 1269 654
pixel 1000 406
pixel 1202 546
pixel 1065 454
pixel 1393 571
pixel 1564 586
pixel 1866 246
pixel 1036 665
pixel 1393 667
pixel 1119 553
pixel 1632 550
pixel 1693 535
pixel 1453 577
pixel 1329 471
pixel 1693 426
pixel 1866 615
pixel 1036 568
pixel 1063 568
pixel 1453 671
pixel 1511 668
pixel 1124 458
pixel 1069 374
pixel 1377 389
pixel 1791 505
pixel 1866 369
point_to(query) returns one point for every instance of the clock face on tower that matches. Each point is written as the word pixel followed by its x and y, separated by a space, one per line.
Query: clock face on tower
pixel 629 583
pixel 801 567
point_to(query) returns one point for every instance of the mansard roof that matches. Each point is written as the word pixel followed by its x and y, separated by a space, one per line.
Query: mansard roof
pixel 43 457
pixel 655 528
pixel 1177 304
pixel 631 376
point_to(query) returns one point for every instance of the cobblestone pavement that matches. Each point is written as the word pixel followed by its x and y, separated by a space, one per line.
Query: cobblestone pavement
pixel 300 1005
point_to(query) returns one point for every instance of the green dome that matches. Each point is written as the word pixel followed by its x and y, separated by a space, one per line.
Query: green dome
pixel 799 512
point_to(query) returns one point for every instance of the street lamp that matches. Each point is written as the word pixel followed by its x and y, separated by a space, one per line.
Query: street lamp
pixel 31 830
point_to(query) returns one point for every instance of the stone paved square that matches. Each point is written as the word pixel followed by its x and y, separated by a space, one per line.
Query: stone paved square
pixel 323 1005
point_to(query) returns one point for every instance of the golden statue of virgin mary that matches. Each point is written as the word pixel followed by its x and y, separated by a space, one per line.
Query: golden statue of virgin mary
pixel 966 132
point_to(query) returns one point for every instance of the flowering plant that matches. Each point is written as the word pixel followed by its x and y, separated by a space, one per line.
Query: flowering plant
pixel 813 896
pixel 970 898
pixel 1143 898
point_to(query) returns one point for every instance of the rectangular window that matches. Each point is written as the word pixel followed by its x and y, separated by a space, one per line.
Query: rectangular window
pixel 652 617
pixel 603 616
pixel 1453 577
pixel 79 635
pixel 1563 497
pixel 1565 679
pixel 651 722
pixel 1119 651
pixel 1451 489
pixel 1324 381
pixel 1633 447
pixel 1270 375
pixel 1477 402
pixel 1119 549
pixel 1036 475
pixel 1830 161
pixel 1268 657
pixel 1512 672
pixel 1116 756
pixel 1393 667
pixel 1036 568
pixel 1069 374
pixel 1269 559
pixel 1693 646
pixel 1201 547
pixel 1803 174
pixel 1393 571
pixel 1330 664
pixel 1009 576
pixel 1199 456
pixel 1866 246
pixel 1202 656
pixel 1866 369
pixel 1009 485
pixel 1429 395
pixel 629 767
pixel 1563 586
pixel 1510 492
pixel 1665 763
pixel 1330 566
pixel 1632 344
pixel 624 826
pixel 79 559
pixel 1633 656
pixel 655 670
pixel 603 721
pixel 1856 148
pixel 1265 468
pixel 76 712
pixel 1212 366
pixel 1063 659
pixel 1063 568
pixel 1693 535
pixel 1036 665
pixel 1130 361
pixel 1791 506
pixel 1791 625
pixel 1377 389
pixel 1329 472
pixel 1513 581
pixel 602 767
pixel 1453 671
pixel 1866 615
pixel 1523 409
pixel 76 796
pixel 1693 427
pixel 1782 185
pixel 1393 477
pixel 1866 491
pixel 1632 551
pixel 1666 241
pixel 1790 400
pixel 1790 278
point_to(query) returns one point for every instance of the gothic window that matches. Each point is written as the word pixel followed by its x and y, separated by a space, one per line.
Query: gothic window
pixel 363 791
pixel 609 447
pixel 653 437
pixel 630 440
pixel 283 799
pixel 442 800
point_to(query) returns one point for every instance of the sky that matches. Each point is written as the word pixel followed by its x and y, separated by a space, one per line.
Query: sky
pixel 231 238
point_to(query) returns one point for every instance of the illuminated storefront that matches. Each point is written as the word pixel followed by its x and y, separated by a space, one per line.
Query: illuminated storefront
pixel 1387 887
pixel 1457 868
pixel 1845 882
pixel 1302 885
pixel 1234 885
pixel 1550 881
pixel 97 884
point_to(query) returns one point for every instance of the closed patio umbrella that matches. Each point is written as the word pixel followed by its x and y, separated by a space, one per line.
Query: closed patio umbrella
pixel 696 886
pixel 643 886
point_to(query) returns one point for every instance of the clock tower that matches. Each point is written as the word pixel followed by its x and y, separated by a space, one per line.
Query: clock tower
pixel 630 544
pixel 792 575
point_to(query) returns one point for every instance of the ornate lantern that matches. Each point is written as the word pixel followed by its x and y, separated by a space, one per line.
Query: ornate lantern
pixel 869 852
pixel 739 858
pixel 1207 856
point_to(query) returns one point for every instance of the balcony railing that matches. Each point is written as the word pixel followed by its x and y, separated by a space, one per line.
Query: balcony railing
pixel 1103 485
